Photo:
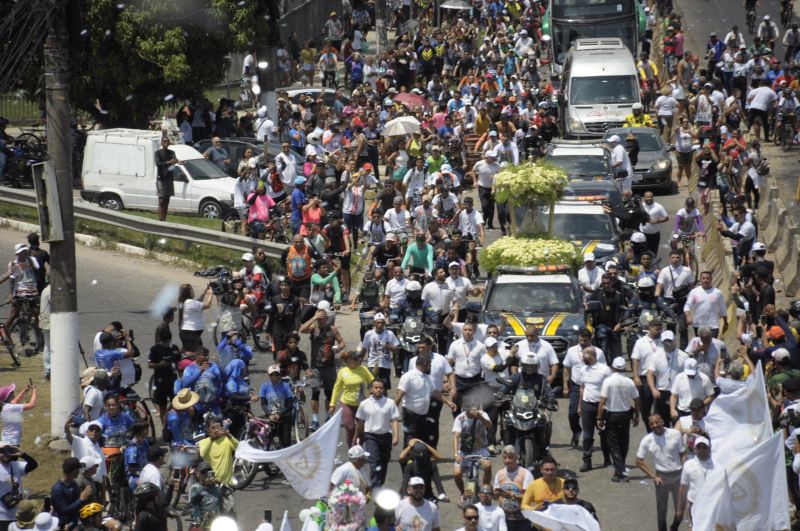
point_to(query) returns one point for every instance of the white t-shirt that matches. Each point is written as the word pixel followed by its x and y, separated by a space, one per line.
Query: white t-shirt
pixel 411 518
pixel 349 471
pixel 417 388
pixel 17 468
pixel 438 295
pixel 761 98
pixel 463 424
pixel 619 392
pixel 491 518
pixel 192 315
pixel 378 414
pixel 486 172
pixel 11 417
pixel 467 357
pixel 461 286
pixel 707 306
pixel 398 221
pixel 666 366
pixel 93 397
pixel 150 474
pixel 666 450
pixel 590 278
pixel 544 352
pixel 488 363
pixel 687 389
pixel 591 378
pixel 681 275
pixel 375 346
pixel 666 105
pixel 396 291
pixel 468 222
pixel 694 475
pixel 573 359
pixel 656 211
pixel 82 446
pixel 618 154
pixel 644 348
pixel 439 369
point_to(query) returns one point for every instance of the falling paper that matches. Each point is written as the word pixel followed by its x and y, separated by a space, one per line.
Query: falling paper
pixel 164 300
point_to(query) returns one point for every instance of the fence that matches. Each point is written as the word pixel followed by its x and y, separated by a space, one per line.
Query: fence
pixel 19 110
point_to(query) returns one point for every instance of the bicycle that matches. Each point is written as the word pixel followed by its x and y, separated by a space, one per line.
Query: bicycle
pixel 119 493
pixel 260 433
pixel 24 327
pixel 136 406
pixel 182 462
pixel 299 424
pixel 471 470
pixel 9 344
pixel 252 328
pixel 786 138
pixel 685 244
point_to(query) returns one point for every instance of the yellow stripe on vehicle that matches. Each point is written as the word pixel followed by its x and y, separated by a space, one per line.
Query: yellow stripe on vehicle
pixel 590 247
pixel 516 325
pixel 555 322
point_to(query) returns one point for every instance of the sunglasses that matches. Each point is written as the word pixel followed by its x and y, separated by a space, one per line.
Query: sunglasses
pixel 471 518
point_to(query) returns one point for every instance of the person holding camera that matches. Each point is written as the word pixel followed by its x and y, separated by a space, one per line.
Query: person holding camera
pixel 14 464
pixel 204 494
pixel 190 316
pixel 67 496
pixel 108 356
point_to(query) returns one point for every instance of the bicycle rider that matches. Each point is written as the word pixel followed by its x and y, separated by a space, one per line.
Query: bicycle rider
pixel 471 437
pixel 688 222
pixel 276 401
pixel 204 495
pixel 22 272
pixel 786 108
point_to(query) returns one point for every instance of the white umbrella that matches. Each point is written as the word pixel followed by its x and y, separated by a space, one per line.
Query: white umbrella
pixel 455 4
pixel 405 125
pixel 561 517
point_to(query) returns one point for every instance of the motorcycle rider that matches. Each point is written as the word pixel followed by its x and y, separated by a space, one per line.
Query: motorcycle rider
pixel 646 299
pixel 607 319
pixel 545 353
pixel 528 378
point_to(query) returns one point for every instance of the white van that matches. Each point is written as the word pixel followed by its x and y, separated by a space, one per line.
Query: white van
pixel 601 84
pixel 119 171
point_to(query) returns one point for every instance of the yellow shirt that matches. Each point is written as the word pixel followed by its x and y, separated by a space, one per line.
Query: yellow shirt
pixel 481 124
pixel 219 454
pixel 539 492
pixel 348 384
pixel 308 55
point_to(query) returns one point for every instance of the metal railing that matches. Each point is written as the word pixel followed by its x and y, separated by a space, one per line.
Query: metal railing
pixel 224 240
pixel 19 110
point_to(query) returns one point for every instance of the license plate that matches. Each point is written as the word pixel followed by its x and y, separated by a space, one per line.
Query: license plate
pixel 638 177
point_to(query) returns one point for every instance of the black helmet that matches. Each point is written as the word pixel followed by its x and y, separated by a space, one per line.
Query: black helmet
pixel 146 491
pixel 334 214
pixel 794 309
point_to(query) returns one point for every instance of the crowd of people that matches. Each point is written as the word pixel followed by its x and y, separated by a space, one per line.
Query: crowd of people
pixel 481 86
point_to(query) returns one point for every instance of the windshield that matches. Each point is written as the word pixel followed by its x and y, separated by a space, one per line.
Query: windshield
pixel 575 165
pixel 565 35
pixel 606 89
pixel 541 298
pixel 202 169
pixel 578 9
pixel 648 142
pixel 583 227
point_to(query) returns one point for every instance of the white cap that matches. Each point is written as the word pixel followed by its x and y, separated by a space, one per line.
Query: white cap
pixel 45 522
pixel 611 264
pixel 453 264
pixel 690 366
pixel 416 480
pixel 780 354
pixel 766 17
pixel 85 427
pixel 357 452
pixel 262 111
pixel 248 257
pixel 391 237
pixel 638 237
pixel 490 342
pixel 613 138
pixel 88 461
pixel 588 257
pixel 701 440
pixel 747 339
pixel 528 358
pixel 759 246
pixel 18 248
pixel 324 305
pixel 379 317
pixel 667 335
pixel 619 363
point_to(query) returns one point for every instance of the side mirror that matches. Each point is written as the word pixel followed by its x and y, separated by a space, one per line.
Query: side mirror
pixel 474 307
pixel 593 306
pixel 180 177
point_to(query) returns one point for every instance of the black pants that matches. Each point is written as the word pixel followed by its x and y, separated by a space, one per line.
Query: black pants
pixel 434 412
pixel 618 435
pixel 574 398
pixel 191 340
pixel 379 447
pixel 653 241
pixel 672 481
pixel 518 525
pixel 588 423
pixel 646 398
pixel 415 427
pixel 487 206
pixel 661 407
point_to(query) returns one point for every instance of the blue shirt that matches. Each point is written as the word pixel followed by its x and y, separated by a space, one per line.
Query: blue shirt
pixel 275 397
pixel 181 426
pixel 298 200
pixel 295 142
pixel 106 357
pixel 192 373
pixel 218 156
pixel 116 428
pixel 135 458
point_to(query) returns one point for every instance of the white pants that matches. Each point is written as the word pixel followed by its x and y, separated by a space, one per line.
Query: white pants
pixel 46 350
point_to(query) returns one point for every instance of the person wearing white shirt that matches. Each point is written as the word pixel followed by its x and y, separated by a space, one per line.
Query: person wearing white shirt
pixel 352 470
pixel 644 349
pixel 743 234
pixel 687 386
pixel 395 293
pixel 88 444
pixel 589 276
pixel 664 366
pixel 619 406
pixel 693 425
pixel 485 171
pixel 669 452
pixel 759 101
pixel 414 180
pixel 658 215
pixel 674 283
pixel 465 355
pixel 693 477
pixel 397 217
pixel 546 357
pixel 438 293
pixel 707 349
pixel 494 372
pixel 591 379
pixel 440 372
pixel 93 396
pixel 735 36
pixel 264 127
pixel 378 429
pixel 470 221
pixel 705 306
pixel 491 517
pixel 414 392
pixel 573 363
pixel 620 162
pixel 285 163
pixel 460 286
pixel 414 511
pixel 150 472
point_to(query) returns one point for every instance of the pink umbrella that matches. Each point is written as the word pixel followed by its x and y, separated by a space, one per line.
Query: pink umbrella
pixel 411 100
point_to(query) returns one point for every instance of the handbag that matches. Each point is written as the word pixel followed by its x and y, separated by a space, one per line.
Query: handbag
pixel 678 293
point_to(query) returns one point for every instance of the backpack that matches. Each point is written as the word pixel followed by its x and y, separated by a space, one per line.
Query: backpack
pixel 762 168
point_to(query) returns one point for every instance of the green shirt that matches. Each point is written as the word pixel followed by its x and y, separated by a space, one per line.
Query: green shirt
pixel 781 377
pixel 323 282
pixel 421 258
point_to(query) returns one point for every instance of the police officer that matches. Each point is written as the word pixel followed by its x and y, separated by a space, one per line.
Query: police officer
pixel 619 406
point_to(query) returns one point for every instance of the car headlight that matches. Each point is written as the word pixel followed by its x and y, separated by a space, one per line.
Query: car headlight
pixel 661 165
pixel 575 124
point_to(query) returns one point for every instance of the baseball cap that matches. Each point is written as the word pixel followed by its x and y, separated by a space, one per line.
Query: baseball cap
pixel 690 366
pixel 780 354
pixel 6 391
pixel 155 452
pixel 492 133
pixel 776 332
pixel 611 264
pixel 18 248
pixel 759 246
pixel 453 264
pixel 274 369
pixel 701 440
pixel 248 257
pixel 588 257
pixel 613 138
pixel 88 461
pixel 391 237
pixel 71 464
pixel 357 452
pixel 490 342
pixel 667 335
pixel 379 317
pixel 416 480
pixel 619 363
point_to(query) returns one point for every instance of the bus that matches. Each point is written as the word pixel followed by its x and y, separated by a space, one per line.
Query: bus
pixel 568 20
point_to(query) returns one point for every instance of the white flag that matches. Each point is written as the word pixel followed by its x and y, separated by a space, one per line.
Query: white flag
pixel 740 420
pixel 562 517
pixel 307 465
pixel 285 522
pixel 748 493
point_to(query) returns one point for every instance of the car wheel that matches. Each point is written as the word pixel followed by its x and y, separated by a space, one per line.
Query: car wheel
pixel 111 202
pixel 210 209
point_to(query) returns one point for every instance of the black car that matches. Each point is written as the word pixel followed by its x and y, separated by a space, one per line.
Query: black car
pixel 235 147
pixel 653 170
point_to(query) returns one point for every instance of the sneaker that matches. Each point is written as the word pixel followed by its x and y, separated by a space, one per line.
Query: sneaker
pixel 615 479
pixel 587 466
pixel 314 425
pixel 575 441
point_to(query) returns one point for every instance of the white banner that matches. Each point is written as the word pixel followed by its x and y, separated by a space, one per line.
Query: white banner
pixel 739 421
pixel 285 522
pixel 307 465
pixel 748 493
pixel 562 517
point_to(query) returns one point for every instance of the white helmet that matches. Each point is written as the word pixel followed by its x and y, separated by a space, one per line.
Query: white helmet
pixel 637 106
pixel 638 237
pixel 529 358
pixel 646 282
pixel 413 286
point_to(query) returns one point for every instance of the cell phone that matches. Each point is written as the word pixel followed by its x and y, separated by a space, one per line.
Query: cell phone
pixel 130 335
pixel 30 381
pixel 47 505
pixel 268 516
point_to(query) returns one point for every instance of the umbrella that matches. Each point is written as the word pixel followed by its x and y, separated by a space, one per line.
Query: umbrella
pixel 404 125
pixel 411 100
pixel 455 4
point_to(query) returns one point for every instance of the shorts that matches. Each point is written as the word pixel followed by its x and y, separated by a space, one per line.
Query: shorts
pixel 483 452
pixel 760 116
pixel 243 212
pixel 163 393
pixel 684 159
pixel 328 379
pixel 165 188
pixel 344 261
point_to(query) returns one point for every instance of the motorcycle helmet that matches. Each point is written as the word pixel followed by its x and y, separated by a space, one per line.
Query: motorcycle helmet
pixel 638 237
pixel 689 203
pixel 334 214
pixel 528 363
pixel 146 491
pixel 646 286
pixel 413 291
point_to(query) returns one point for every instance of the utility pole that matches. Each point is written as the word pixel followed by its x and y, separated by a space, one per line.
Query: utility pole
pixel 64 329
pixel 380 25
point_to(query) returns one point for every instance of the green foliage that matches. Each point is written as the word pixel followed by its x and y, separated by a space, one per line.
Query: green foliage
pixel 528 184
pixel 515 251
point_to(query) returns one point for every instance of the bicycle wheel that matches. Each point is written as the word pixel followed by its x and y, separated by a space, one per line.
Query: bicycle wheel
pixel 272 469
pixel 786 137
pixel 231 223
pixel 20 334
pixel 151 385
pixel 692 263
pixel 9 344
pixel 260 340
pixel 141 413
pixel 300 425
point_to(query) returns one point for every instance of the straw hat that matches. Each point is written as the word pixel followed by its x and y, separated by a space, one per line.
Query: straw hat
pixel 185 399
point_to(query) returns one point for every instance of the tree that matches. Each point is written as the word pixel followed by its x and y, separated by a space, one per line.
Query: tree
pixel 134 57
